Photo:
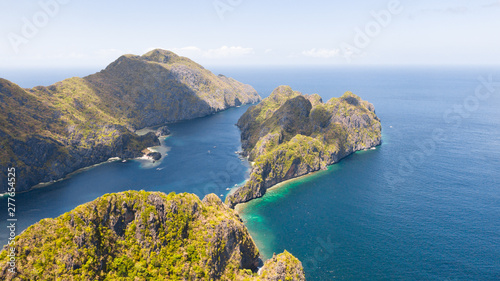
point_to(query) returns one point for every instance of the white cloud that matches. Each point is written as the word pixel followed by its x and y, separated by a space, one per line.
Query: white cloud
pixel 189 51
pixel 228 52
pixel 321 53
pixel 267 51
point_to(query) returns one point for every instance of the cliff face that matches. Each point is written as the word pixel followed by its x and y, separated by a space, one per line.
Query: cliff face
pixel 48 132
pixel 161 87
pixel 281 267
pixel 289 135
pixel 144 236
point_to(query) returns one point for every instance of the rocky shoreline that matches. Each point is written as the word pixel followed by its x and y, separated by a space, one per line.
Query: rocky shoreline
pixel 49 132
pixel 289 135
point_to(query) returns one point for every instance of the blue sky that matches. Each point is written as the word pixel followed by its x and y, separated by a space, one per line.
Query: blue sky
pixel 70 33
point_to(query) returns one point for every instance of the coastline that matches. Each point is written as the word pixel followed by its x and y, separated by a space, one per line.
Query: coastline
pixel 291 180
pixel 45 184
pixel 138 132
pixel 245 211
pixel 283 184
pixel 144 158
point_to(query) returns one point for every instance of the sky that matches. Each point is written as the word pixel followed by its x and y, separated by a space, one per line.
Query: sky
pixel 70 33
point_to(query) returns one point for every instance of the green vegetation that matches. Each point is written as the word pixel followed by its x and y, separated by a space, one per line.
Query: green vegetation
pixel 138 235
pixel 289 134
pixel 49 132
pixel 281 267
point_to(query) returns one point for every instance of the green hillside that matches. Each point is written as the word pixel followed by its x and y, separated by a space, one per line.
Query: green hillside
pixel 49 132
pixel 290 134
pixel 138 235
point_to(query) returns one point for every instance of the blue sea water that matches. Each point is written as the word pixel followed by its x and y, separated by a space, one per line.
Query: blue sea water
pixel 422 206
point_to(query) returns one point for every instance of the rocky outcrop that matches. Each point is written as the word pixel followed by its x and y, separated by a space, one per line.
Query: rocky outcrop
pixel 163 131
pixel 144 236
pixel 49 132
pixel 154 155
pixel 282 267
pixel 41 159
pixel 289 135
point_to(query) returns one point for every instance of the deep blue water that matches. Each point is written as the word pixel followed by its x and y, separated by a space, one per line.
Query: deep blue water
pixel 423 206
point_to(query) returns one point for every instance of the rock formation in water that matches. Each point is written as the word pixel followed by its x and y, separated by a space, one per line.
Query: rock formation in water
pixel 138 235
pixel 290 134
pixel 163 131
pixel 49 132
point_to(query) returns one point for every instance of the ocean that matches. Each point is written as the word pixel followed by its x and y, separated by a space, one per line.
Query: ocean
pixel 422 206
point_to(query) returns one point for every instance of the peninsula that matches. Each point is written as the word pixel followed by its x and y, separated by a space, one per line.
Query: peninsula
pixel 289 134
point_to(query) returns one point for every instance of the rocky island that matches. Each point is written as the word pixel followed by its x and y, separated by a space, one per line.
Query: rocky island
pixel 138 235
pixel 289 134
pixel 48 132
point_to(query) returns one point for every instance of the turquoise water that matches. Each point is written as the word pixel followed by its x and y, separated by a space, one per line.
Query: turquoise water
pixel 401 212
pixel 373 216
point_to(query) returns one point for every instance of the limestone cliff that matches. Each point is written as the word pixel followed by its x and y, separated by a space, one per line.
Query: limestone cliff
pixel 289 135
pixel 138 235
pixel 281 267
pixel 49 132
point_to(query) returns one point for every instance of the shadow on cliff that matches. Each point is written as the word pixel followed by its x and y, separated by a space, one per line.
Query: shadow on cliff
pixel 141 93
pixel 146 94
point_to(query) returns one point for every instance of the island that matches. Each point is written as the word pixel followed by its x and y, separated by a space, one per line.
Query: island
pixel 290 134
pixel 138 235
pixel 49 132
